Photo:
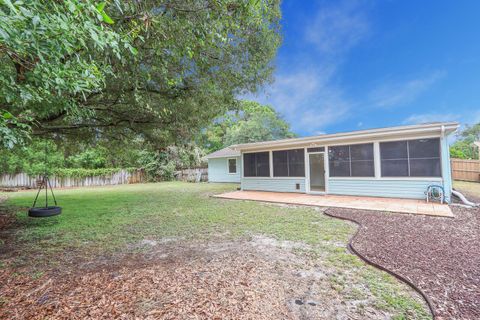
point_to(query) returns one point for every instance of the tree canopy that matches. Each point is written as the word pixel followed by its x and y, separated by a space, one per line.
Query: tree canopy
pixel 252 122
pixel 464 148
pixel 159 70
pixel 48 63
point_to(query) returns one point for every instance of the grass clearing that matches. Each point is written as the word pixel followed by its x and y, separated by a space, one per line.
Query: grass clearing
pixel 100 221
pixel 470 188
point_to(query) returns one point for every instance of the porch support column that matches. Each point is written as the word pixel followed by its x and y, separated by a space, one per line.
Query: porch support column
pixel 376 160
pixel 445 165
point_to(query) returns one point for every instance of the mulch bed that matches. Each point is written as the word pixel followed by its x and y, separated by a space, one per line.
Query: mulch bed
pixel 205 288
pixel 440 256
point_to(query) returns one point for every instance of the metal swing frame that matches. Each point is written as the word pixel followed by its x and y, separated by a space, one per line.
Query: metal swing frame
pixel 47 184
pixel 46 211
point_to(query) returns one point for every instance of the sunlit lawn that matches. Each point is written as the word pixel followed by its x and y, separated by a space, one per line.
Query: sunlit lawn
pixel 108 219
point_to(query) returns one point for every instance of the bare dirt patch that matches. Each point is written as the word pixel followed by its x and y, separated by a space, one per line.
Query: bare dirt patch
pixel 441 256
pixel 254 278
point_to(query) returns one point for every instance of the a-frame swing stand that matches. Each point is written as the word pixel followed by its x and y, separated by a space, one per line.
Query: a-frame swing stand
pixel 47 211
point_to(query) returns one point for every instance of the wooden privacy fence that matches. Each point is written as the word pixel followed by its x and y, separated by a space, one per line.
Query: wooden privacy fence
pixel 23 180
pixel 192 175
pixel 467 170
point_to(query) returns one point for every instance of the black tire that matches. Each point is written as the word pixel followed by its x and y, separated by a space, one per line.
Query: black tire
pixel 42 212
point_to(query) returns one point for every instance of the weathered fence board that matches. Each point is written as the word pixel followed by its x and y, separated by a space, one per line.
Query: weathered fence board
pixel 23 180
pixel 192 175
pixel 467 170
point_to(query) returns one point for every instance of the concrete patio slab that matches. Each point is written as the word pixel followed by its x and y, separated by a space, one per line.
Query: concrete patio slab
pixel 352 202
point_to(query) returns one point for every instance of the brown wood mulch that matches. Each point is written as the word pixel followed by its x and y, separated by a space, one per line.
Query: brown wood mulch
pixel 439 256
pixel 206 288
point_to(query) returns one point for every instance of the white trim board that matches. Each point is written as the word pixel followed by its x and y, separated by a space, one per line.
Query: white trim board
pixel 403 132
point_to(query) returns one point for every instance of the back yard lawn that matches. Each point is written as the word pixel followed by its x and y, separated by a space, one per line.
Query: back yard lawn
pixel 169 250
pixel 470 189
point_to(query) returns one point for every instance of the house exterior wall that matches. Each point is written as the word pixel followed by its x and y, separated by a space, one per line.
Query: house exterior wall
pixel 274 184
pixel 412 188
pixel 218 170
pixel 407 187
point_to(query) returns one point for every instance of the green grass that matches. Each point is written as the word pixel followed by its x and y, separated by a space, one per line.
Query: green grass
pixel 111 217
pixel 100 220
pixel 471 188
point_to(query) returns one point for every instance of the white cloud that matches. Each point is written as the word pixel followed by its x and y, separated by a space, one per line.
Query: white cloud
pixel 336 29
pixel 401 93
pixel 307 100
pixel 306 93
pixel 431 117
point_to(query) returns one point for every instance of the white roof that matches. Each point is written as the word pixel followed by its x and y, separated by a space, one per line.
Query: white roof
pixel 223 153
pixel 400 131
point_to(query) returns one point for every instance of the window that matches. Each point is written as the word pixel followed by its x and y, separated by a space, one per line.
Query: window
pixel 411 158
pixel 394 159
pixel 256 164
pixel 289 163
pixel 232 165
pixel 355 160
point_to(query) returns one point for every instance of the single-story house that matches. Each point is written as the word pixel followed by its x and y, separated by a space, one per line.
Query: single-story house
pixel 224 166
pixel 396 162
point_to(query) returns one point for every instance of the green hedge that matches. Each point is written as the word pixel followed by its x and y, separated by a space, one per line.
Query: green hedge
pixel 82 173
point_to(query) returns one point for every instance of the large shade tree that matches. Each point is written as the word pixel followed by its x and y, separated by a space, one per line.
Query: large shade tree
pixel 159 70
pixel 48 65
pixel 464 147
pixel 251 122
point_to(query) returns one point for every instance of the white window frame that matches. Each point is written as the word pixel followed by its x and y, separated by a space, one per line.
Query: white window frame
pixel 270 155
pixel 376 153
pixel 349 145
pixel 408 159
pixel 269 164
pixel 228 166
pixel 272 175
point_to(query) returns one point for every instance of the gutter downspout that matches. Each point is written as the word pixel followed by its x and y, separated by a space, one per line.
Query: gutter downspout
pixel 454 192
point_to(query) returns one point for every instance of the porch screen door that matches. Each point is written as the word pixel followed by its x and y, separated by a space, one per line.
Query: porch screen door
pixel 317 172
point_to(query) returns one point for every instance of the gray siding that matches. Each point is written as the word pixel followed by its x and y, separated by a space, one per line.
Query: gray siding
pixel 218 170
pixel 414 189
pixel 272 184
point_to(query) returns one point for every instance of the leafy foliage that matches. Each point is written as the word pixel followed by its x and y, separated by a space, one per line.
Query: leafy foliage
pixel 48 61
pixel 32 160
pixel 82 173
pixel 464 148
pixel 12 131
pixel 155 69
pixel 81 161
pixel 93 158
pixel 161 165
pixel 251 123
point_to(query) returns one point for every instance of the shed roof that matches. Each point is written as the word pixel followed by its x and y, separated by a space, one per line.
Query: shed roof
pixel 223 153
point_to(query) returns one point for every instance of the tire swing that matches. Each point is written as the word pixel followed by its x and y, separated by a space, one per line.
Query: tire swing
pixel 46 211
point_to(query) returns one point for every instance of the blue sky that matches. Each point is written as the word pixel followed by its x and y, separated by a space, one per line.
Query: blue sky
pixel 350 65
